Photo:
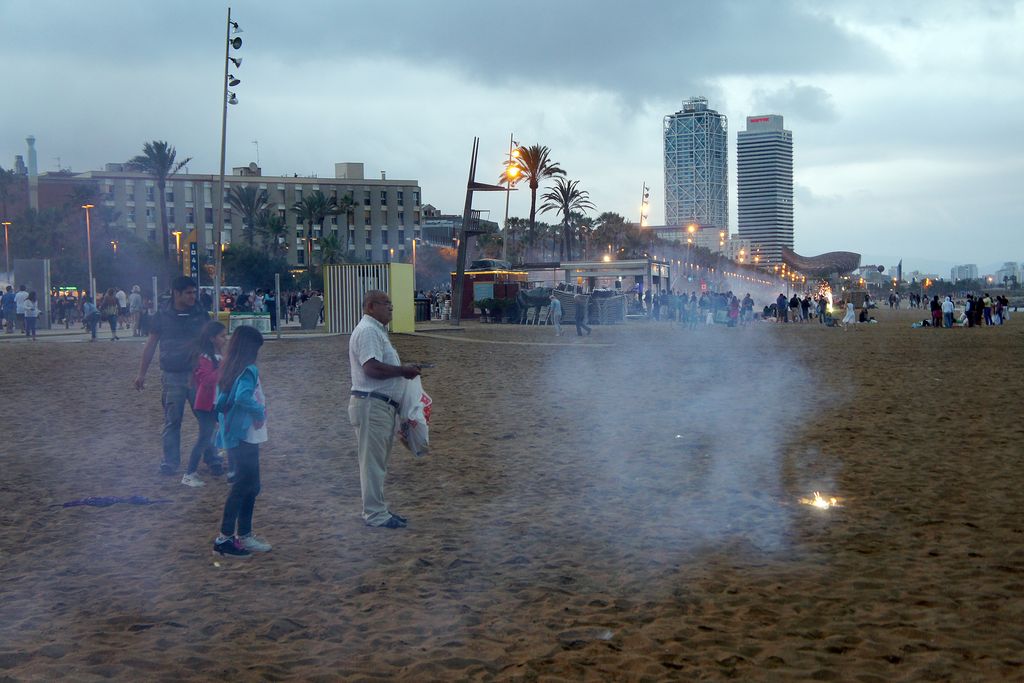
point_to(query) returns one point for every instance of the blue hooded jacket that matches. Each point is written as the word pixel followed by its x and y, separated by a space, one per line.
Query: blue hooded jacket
pixel 238 409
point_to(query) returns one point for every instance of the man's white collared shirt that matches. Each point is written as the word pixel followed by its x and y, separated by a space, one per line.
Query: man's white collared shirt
pixel 370 340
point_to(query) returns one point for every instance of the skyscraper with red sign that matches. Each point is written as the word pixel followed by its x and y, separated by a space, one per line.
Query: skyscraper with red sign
pixel 764 186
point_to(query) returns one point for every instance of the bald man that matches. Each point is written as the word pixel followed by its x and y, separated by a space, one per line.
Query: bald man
pixel 377 387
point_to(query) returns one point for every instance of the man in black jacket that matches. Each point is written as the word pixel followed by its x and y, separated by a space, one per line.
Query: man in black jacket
pixel 175 328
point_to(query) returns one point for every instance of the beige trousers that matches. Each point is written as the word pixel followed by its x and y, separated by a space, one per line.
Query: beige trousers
pixel 374 422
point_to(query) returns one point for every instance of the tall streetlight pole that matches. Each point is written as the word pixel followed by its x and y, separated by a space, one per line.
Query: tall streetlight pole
pixel 177 248
pixel 229 98
pixel 511 171
pixel 7 249
pixel 88 242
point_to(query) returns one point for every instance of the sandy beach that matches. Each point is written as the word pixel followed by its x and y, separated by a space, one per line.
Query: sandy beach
pixel 619 507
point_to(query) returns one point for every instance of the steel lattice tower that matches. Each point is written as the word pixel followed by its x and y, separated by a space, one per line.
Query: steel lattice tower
pixel 696 166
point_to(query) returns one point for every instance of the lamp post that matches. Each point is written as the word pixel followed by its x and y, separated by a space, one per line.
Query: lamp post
pixel 414 264
pixel 88 247
pixel 511 173
pixel 229 98
pixel 114 244
pixel 177 247
pixel 7 249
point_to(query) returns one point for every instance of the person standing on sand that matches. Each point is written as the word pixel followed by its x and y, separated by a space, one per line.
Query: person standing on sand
pixel 135 309
pixel 31 308
pixel 9 308
pixel 581 314
pixel 947 313
pixel 851 315
pixel 556 314
pixel 377 388
pixel 241 406
pixel 206 359
pixel 936 309
pixel 174 328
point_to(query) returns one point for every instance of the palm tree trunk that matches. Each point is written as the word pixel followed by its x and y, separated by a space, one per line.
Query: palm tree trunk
pixel 533 213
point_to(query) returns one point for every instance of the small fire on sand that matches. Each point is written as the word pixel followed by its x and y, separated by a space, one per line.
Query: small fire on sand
pixel 821 502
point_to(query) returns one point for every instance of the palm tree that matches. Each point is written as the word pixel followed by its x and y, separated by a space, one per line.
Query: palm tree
pixel 346 207
pixel 274 230
pixel 7 180
pixel 565 198
pixel 330 251
pixel 312 210
pixel 533 164
pixel 250 201
pixel 158 160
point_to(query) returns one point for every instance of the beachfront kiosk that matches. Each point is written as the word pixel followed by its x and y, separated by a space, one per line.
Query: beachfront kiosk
pixel 488 279
pixel 618 275
pixel 345 285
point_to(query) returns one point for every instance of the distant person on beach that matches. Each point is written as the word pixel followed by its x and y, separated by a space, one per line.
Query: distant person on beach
pixel 986 308
pixel 851 315
pixel 111 311
pixel 9 308
pixel 242 408
pixel 936 309
pixel 90 316
pixel 581 314
pixel 781 306
pixel 31 308
pixel 556 314
pixel 174 328
pixel 377 389
pixel 19 306
pixel 135 309
pixel 206 357
pixel 947 313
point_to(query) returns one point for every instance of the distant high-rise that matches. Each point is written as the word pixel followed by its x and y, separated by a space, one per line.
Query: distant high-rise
pixel 764 185
pixel 697 167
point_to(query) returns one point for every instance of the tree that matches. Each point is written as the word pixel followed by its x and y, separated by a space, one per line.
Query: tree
pixel 274 231
pixel 331 251
pixel 312 210
pixel 533 164
pixel 565 198
pixel 250 201
pixel 346 207
pixel 8 178
pixel 158 159
pixel 250 268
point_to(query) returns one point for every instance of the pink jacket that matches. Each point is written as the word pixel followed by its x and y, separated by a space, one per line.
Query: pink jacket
pixel 204 379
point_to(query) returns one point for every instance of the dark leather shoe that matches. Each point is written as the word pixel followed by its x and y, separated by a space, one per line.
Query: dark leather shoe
pixel 393 523
pixel 399 517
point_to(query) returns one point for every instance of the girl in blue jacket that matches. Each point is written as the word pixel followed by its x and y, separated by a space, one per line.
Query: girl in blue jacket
pixel 242 414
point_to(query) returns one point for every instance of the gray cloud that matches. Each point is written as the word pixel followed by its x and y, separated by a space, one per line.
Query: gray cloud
pixel 802 102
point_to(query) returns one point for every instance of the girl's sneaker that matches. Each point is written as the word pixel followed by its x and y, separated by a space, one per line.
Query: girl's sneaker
pixel 254 544
pixel 192 480
pixel 229 546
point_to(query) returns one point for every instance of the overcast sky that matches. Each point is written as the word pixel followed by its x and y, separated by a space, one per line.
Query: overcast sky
pixel 906 116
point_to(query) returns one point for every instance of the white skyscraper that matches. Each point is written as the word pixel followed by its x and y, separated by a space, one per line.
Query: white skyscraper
pixel 764 182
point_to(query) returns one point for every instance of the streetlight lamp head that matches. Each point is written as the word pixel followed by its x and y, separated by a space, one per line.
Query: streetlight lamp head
pixel 237 61
pixel 232 99
pixel 88 206
pixel 236 43
pixel 232 81
pixel 235 28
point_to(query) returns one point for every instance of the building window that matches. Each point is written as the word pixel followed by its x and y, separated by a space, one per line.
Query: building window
pixel 334 220
pixel 170 196
pixel 369 237
pixel 401 197
pixel 150 194
pixel 298 194
pixel 208 215
pixel 151 234
pixel 366 197
pixel 149 215
pixel 401 217
pixel 383 196
pixel 131 216
pixel 416 197
pixel 300 256
pixel 384 236
pixel 190 216
pixel 170 215
pixel 227 216
pixel 351 240
pixel 208 194
pixel 401 237
pixel 368 256
pixel 283 214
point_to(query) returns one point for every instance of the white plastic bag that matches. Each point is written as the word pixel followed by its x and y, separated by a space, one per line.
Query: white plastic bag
pixel 414 418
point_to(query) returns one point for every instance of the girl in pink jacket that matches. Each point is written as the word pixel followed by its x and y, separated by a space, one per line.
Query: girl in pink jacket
pixel 205 362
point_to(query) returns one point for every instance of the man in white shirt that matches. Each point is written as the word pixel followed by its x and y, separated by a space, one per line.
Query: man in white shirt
pixel 377 386
pixel 19 302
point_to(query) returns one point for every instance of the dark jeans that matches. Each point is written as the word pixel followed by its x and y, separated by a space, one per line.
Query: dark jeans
pixel 580 325
pixel 204 447
pixel 113 325
pixel 30 326
pixel 91 323
pixel 176 393
pixel 242 497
